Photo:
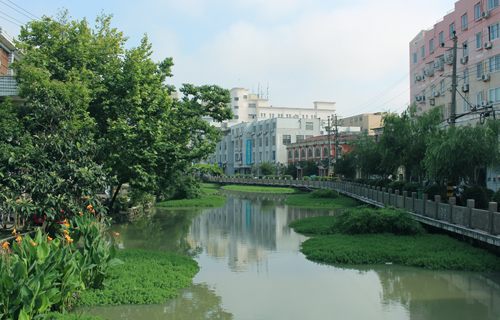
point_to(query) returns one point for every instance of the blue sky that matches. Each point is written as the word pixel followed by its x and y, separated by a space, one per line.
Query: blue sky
pixel 354 53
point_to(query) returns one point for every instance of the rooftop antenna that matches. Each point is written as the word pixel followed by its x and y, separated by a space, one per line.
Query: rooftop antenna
pixel 267 93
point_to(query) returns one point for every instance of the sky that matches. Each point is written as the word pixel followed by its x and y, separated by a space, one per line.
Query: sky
pixel 293 52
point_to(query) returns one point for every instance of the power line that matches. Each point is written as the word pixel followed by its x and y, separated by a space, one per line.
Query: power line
pixel 31 18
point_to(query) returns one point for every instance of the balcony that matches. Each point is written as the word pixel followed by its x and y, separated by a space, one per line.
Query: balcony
pixel 8 87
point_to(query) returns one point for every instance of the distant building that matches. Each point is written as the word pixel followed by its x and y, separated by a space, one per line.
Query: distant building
pixel 366 122
pixel 249 107
pixel 477 27
pixel 245 146
pixel 8 54
pixel 319 149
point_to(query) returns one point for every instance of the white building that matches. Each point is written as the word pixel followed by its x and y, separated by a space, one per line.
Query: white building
pixel 249 144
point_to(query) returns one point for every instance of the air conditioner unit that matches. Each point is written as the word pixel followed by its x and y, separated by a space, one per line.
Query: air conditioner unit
pixel 432 102
pixel 464 60
pixel 439 65
pixel 485 14
pixel 465 88
pixel 418 98
pixel 485 77
pixel 487 45
pixel 259 133
pixel 418 78
pixel 437 94
pixel 484 103
pixel 253 133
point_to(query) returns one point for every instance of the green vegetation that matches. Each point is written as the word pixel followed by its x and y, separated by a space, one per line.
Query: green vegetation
pixel 324 193
pixel 369 236
pixel 146 277
pixel 209 201
pixel 306 201
pixel 210 185
pixel 258 189
pixel 209 190
pixel 436 252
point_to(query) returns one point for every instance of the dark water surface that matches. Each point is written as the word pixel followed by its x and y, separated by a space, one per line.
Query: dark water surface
pixel 251 268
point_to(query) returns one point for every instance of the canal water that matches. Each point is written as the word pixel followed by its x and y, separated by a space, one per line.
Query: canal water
pixel 251 268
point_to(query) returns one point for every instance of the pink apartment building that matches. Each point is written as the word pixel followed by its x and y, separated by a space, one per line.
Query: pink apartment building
pixel 476 24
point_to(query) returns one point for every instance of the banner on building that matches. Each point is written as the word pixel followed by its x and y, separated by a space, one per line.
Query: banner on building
pixel 249 152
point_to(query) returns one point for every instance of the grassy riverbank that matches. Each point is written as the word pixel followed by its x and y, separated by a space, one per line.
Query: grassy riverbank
pixel 347 238
pixel 306 201
pixel 208 201
pixel 258 189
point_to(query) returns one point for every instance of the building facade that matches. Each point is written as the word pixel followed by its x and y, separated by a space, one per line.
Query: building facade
pixel 367 122
pixel 320 149
pixel 245 146
pixel 476 24
pixel 8 54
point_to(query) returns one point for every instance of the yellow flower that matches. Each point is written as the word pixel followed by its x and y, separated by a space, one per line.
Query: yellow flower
pixel 93 211
pixel 49 238
pixel 68 238
pixel 89 207
pixel 33 243
pixel 14 231
pixel 117 234
pixel 80 213
pixel 5 245
pixel 66 231
pixel 18 239
pixel 65 221
pixel 67 225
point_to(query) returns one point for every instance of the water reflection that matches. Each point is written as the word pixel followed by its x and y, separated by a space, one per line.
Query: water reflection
pixel 251 268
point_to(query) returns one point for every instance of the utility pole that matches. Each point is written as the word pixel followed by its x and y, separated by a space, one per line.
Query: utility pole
pixel 336 140
pixel 329 148
pixel 454 81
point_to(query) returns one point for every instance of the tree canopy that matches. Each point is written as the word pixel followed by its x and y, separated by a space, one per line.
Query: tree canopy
pixel 94 109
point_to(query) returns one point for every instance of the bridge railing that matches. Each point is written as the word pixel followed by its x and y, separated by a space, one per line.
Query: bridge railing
pixel 447 215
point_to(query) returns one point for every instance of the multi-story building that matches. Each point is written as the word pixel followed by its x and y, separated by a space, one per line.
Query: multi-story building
pixel 248 107
pixel 476 24
pixel 367 122
pixel 8 54
pixel 320 149
pixel 247 145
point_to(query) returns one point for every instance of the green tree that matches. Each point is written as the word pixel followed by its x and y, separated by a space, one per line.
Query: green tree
pixel 267 169
pixel 459 153
pixel 367 155
pixel 346 165
pixel 118 97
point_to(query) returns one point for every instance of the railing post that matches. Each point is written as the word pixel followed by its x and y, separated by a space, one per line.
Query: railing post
pixel 452 201
pixel 493 207
pixel 471 203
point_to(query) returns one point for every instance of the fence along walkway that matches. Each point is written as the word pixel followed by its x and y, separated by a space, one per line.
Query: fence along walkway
pixel 481 225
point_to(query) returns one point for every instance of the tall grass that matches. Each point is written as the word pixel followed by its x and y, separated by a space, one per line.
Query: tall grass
pixel 306 201
pixel 210 201
pixel 259 189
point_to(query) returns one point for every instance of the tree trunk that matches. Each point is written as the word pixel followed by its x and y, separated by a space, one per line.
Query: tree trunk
pixel 115 194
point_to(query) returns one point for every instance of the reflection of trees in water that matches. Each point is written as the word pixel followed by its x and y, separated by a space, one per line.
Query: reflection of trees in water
pixel 196 302
pixel 165 230
pixel 428 294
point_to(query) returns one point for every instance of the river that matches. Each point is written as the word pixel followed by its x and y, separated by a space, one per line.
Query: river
pixel 251 268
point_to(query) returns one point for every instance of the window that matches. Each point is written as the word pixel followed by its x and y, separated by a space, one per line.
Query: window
pixel 492 4
pixel 466 76
pixel 479 98
pixel 494 63
pixel 325 152
pixel 236 117
pixel 296 154
pixel 274 155
pixel 310 153
pixel 415 57
pixel 493 31
pixel 252 115
pixel 465 106
pixel 441 38
pixel 452 30
pixel 303 153
pixel 465 49
pixel 267 141
pixel 252 105
pixel 318 152
pixel 274 140
pixel 423 95
pixel 464 21
pixel 236 107
pixel 253 143
pixel 260 142
pixel 236 98
pixel 309 126
pixel 477 11
pixel 289 154
pixel 441 87
pixel 423 52
pixel 299 137
pixel 494 95
pixel 433 89
pixel 245 96
pixel 479 70
pixel 431 46
pixel 479 40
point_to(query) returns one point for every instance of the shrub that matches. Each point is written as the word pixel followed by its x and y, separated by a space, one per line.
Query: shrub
pixel 481 196
pixel 360 180
pixel 365 220
pixel 412 187
pixel 306 178
pixel 288 177
pixel 496 196
pixel 435 189
pixel 397 185
pixel 324 193
pixel 382 183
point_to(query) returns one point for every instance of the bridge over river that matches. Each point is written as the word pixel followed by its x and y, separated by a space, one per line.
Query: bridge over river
pixel 473 224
